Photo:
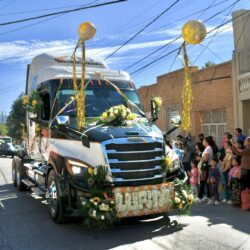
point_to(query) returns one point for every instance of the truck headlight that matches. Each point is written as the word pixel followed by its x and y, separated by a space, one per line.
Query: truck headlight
pixel 76 167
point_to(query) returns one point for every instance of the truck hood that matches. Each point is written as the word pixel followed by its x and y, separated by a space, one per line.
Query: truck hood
pixel 103 133
pixel 100 134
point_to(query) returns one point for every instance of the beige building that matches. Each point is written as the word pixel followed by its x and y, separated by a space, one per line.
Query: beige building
pixel 241 70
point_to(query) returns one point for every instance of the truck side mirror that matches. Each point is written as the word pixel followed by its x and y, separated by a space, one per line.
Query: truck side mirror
pixel 59 121
pixel 62 120
pixel 176 121
pixel 154 111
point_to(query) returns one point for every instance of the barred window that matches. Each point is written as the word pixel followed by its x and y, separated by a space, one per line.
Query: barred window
pixel 214 123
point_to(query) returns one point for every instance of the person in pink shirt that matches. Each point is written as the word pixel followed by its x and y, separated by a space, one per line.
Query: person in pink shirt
pixel 234 182
pixel 193 174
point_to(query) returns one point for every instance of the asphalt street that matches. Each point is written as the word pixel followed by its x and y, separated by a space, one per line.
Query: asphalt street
pixel 25 225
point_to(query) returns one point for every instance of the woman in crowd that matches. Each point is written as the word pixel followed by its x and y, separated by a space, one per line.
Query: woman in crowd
pixel 225 167
pixel 245 161
pixel 205 163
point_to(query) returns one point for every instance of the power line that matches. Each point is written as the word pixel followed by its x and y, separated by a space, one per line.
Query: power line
pixel 175 50
pixel 141 30
pixel 174 40
pixel 61 12
pixel 39 22
pixel 41 10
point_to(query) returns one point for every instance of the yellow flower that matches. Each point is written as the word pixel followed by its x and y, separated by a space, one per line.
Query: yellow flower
pixel 180 206
pixel 112 116
pixel 25 100
pixel 130 117
pixel 158 101
pixel 104 115
pixel 95 200
pixel 177 200
pixel 167 161
pixel 91 171
pixel 104 207
pixel 34 103
pixel 190 199
pixel 37 128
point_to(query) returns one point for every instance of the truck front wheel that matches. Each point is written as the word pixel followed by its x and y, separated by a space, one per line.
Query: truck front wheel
pixel 54 200
pixel 20 175
pixel 14 172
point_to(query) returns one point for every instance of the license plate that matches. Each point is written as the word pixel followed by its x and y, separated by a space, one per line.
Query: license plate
pixel 143 200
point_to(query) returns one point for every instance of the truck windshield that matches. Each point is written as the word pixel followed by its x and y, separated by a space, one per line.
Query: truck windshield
pixel 98 98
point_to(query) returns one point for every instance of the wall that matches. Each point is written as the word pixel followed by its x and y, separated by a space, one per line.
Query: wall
pixel 212 89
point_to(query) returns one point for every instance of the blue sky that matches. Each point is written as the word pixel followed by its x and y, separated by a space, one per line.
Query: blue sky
pixel 19 43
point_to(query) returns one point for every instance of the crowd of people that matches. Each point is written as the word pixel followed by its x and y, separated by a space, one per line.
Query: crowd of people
pixel 216 173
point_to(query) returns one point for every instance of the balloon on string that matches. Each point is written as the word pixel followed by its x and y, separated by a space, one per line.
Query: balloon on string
pixel 86 30
pixel 194 32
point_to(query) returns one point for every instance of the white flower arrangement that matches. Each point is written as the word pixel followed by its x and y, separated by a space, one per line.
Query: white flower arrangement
pixel 117 115
pixel 142 201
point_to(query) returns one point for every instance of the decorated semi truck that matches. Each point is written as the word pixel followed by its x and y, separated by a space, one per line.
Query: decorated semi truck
pixel 116 166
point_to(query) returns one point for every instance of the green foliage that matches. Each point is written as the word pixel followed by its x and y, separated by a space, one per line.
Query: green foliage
pixel 16 119
pixel 208 64
pixel 183 197
pixel 32 103
pixel 99 210
pixel 3 129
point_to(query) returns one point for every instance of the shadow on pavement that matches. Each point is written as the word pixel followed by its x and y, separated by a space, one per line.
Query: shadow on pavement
pixel 25 224
pixel 224 214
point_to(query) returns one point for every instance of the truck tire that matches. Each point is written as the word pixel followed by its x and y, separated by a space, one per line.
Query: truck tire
pixel 14 172
pixel 20 175
pixel 53 196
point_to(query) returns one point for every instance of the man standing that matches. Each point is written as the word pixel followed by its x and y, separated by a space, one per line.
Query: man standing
pixel 187 145
pixel 240 138
pixel 201 137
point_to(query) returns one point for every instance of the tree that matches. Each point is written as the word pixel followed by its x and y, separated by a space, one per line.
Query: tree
pixel 3 129
pixel 16 119
pixel 208 64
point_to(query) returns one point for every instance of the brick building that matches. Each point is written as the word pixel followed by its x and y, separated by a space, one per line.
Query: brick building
pixel 212 110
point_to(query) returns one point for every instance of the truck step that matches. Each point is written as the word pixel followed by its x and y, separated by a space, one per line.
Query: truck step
pixel 38 191
pixel 28 183
pixel 41 171
pixel 29 165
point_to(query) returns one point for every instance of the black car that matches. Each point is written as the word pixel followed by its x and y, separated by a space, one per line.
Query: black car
pixel 7 149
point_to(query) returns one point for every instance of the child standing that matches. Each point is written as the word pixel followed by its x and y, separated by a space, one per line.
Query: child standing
pixel 225 167
pixel 193 174
pixel 213 180
pixel 234 182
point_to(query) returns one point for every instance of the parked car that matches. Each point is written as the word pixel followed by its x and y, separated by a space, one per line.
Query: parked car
pixel 7 149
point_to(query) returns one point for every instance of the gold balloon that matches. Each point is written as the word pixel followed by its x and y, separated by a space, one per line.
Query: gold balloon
pixel 86 30
pixel 194 32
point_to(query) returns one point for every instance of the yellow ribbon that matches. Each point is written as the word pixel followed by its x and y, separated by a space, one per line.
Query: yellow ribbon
pixel 186 94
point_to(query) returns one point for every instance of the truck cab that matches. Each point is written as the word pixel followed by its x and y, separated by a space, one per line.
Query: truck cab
pixel 59 156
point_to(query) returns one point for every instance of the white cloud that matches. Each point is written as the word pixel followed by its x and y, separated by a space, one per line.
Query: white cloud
pixel 24 51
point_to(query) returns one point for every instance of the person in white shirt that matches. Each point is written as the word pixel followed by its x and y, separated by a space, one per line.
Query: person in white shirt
pixel 205 163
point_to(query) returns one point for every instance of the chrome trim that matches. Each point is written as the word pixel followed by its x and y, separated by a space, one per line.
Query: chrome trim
pixel 126 141
pixel 143 179
pixel 117 161
pixel 117 170
pixel 134 152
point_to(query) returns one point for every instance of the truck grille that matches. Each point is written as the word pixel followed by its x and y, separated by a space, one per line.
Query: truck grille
pixel 134 161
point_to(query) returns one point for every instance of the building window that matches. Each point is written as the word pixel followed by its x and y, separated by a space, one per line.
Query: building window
pixel 171 112
pixel 214 123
